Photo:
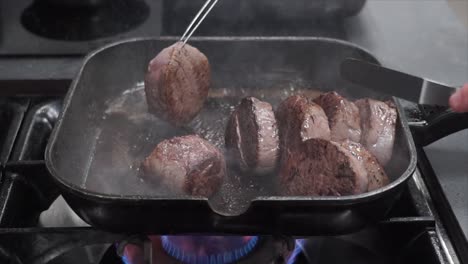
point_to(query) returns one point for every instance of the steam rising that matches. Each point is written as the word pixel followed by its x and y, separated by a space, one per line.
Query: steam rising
pixel 128 133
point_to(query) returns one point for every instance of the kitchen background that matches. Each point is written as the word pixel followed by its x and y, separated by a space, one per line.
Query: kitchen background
pixel 428 38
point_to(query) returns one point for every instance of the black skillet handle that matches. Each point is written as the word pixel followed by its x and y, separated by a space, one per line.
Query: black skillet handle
pixel 435 123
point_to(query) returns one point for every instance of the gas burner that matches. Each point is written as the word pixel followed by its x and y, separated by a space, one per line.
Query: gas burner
pixel 83 22
pixel 200 250
pixel 332 250
pixel 208 249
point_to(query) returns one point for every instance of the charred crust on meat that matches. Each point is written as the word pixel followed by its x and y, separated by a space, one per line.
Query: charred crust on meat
pixel 319 167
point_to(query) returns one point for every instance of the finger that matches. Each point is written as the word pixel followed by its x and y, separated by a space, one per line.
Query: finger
pixel 459 100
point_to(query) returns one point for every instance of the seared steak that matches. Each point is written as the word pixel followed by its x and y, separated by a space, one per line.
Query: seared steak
pixel 299 120
pixel 252 136
pixel 343 117
pixel 177 83
pixel 319 167
pixel 375 173
pixel 378 121
pixel 187 164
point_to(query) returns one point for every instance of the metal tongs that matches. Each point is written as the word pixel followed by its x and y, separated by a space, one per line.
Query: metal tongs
pixel 204 11
pixel 395 83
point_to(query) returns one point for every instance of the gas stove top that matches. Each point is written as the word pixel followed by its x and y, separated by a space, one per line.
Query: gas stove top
pixel 45 29
pixel 37 226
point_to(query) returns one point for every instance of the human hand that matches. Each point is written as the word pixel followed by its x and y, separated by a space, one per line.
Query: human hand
pixel 459 100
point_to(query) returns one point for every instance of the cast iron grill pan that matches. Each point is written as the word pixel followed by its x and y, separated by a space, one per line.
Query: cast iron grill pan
pixel 104 132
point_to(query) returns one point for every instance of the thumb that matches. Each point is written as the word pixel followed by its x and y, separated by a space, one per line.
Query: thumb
pixel 459 100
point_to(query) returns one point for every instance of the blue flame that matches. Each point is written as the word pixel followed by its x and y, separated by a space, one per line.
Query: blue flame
pixel 297 250
pixel 125 260
pixel 229 256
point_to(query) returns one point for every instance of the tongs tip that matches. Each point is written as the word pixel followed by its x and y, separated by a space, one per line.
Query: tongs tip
pixel 191 28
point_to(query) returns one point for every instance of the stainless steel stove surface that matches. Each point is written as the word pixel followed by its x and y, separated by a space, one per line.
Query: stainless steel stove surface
pixel 44 27
pixel 41 49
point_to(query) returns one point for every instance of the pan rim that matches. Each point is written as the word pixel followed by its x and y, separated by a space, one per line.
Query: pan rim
pixel 343 200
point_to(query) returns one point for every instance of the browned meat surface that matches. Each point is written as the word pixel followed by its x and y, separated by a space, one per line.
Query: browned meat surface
pixel 375 173
pixel 252 136
pixel 378 120
pixel 299 120
pixel 343 117
pixel 232 138
pixel 319 167
pixel 177 83
pixel 187 164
